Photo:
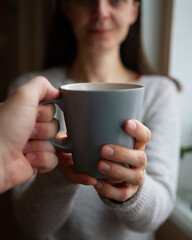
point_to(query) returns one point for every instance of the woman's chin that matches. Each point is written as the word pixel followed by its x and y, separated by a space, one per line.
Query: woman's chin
pixel 100 45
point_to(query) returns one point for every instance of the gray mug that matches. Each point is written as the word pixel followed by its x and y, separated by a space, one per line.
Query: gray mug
pixel 95 114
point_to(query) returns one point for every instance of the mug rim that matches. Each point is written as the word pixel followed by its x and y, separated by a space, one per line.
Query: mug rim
pixel 98 86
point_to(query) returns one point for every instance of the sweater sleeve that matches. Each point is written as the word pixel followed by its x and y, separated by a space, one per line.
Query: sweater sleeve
pixel 154 201
pixel 51 199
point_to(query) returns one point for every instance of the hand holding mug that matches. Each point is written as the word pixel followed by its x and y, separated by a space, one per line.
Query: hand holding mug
pixel 124 181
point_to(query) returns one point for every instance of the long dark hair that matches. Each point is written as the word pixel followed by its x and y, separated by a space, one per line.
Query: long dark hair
pixel 62 45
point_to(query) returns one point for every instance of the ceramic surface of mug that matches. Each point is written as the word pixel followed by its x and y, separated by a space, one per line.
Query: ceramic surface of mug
pixel 95 114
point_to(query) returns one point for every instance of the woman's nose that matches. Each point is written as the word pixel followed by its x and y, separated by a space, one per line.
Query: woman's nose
pixel 102 9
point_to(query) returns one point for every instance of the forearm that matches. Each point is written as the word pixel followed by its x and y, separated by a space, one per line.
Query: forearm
pixel 44 204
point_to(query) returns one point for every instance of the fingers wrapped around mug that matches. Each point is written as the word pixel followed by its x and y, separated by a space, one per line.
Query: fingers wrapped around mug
pixel 139 132
pixel 123 181
pixel 41 155
pixel 132 174
pixel 46 125
pixel 45 112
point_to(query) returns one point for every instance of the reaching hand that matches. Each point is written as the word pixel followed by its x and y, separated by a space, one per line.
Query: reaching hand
pixel 25 125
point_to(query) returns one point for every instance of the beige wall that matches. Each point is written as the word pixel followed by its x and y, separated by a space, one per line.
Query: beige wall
pixel 156 26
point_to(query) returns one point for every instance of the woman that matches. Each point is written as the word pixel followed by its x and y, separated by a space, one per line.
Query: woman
pixel 102 44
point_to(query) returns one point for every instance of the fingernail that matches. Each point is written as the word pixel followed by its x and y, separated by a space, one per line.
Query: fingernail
pixel 98 185
pixel 31 157
pixel 34 132
pixel 104 167
pixel 132 125
pixel 107 151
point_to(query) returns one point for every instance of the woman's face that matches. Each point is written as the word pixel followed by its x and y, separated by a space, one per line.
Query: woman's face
pixel 100 24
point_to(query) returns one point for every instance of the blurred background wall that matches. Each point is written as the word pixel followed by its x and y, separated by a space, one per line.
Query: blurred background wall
pixel 24 27
pixel 180 67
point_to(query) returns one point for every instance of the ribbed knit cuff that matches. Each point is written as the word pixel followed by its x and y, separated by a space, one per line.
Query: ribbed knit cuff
pixel 137 203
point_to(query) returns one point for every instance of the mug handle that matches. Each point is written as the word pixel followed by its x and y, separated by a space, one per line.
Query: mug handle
pixel 65 146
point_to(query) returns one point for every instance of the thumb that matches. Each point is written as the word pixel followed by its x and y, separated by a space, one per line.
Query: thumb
pixel 42 88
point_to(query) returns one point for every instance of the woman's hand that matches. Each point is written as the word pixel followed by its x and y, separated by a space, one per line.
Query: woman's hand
pixel 124 181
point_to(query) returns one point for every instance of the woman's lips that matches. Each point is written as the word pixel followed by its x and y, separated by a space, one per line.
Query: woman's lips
pixel 100 32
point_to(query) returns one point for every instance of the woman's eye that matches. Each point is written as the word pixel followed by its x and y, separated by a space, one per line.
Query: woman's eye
pixel 116 1
pixel 94 2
